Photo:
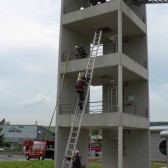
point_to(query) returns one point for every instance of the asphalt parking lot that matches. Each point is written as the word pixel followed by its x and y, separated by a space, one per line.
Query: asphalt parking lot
pixel 11 157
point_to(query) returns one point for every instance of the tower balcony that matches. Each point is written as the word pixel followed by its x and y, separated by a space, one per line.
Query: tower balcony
pixel 79 5
pixel 100 107
pixel 106 49
pixel 102 116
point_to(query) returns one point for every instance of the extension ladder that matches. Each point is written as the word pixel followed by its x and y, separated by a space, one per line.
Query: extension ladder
pixel 76 123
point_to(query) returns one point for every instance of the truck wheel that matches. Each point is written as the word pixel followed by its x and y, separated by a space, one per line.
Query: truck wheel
pixel 27 157
pixel 41 157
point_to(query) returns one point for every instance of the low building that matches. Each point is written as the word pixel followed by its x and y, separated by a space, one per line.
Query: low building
pixel 15 134
pixel 157 144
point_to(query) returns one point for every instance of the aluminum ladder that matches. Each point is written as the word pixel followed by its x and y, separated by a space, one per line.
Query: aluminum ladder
pixel 76 123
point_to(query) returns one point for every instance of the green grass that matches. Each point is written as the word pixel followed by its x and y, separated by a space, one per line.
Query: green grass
pixel 157 165
pixel 28 164
pixel 50 164
pixel 94 165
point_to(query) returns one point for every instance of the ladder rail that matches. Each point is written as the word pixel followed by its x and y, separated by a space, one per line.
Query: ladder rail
pixel 93 57
pixel 69 139
pixel 78 115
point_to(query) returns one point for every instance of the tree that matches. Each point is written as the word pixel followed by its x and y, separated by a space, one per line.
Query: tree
pixel 96 133
pixel 1 128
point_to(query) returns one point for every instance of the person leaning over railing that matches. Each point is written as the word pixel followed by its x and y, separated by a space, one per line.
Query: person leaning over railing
pixel 80 52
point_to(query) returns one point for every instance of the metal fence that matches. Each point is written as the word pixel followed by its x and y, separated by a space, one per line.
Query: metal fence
pixel 103 49
pixel 133 55
pixel 108 49
pixel 135 9
pixel 78 5
pixel 82 4
pixel 105 107
pixel 135 110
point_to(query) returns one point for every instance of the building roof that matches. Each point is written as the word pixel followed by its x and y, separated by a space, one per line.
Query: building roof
pixel 158 128
pixel 158 123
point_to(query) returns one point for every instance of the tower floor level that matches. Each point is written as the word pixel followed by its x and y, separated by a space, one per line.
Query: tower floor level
pixel 120 68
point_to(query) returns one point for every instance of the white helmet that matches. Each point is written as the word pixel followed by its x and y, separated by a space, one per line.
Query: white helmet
pixel 76 47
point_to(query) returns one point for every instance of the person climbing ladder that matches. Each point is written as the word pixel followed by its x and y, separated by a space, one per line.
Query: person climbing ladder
pixel 79 87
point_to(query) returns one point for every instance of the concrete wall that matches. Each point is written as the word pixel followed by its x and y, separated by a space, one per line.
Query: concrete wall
pixel 136 149
pixel 68 96
pixel 110 148
pixel 139 90
pixel 70 39
pixel 139 45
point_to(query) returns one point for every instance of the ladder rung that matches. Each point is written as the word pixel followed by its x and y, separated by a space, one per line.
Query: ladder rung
pixel 68 156
pixel 72 137
pixel 71 143
pixel 70 149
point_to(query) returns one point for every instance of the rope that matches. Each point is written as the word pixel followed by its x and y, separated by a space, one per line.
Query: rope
pixel 65 69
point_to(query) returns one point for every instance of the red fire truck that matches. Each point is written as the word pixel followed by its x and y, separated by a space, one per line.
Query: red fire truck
pixel 95 147
pixel 40 150
pixel 27 143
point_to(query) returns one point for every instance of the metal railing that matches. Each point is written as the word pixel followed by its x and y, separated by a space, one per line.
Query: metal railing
pixel 135 110
pixel 82 4
pixel 108 49
pixel 135 9
pixel 133 55
pixel 78 5
pixel 92 108
pixel 103 49
pixel 105 107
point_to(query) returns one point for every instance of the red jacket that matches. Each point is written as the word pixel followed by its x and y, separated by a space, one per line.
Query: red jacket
pixel 79 86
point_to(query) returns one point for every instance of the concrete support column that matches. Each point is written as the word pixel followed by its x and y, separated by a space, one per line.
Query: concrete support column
pixel 120 147
pixel 120 88
pixel 120 92
pixel 119 31
pixel 56 161
pixel 120 80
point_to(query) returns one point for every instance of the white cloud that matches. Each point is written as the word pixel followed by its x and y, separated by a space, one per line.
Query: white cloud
pixel 158 102
pixel 38 100
pixel 29 31
pixel 157 33
pixel 29 23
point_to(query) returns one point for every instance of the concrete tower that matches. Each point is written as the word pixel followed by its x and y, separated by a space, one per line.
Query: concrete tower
pixel 121 69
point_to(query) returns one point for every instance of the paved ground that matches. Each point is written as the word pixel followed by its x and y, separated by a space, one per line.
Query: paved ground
pixel 11 157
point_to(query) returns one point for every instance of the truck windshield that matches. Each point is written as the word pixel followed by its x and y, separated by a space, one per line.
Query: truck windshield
pixel 38 147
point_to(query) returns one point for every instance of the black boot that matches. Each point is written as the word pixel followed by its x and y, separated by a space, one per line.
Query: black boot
pixel 80 106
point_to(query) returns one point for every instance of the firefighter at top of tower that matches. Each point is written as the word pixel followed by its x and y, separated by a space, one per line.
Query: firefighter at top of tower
pixel 79 87
pixel 95 2
pixel 80 52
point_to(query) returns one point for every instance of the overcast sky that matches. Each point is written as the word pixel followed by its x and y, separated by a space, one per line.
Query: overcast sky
pixel 29 36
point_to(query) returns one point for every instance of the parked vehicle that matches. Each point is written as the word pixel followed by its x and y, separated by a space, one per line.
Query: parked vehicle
pixel 41 150
pixel 27 143
pixel 96 148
